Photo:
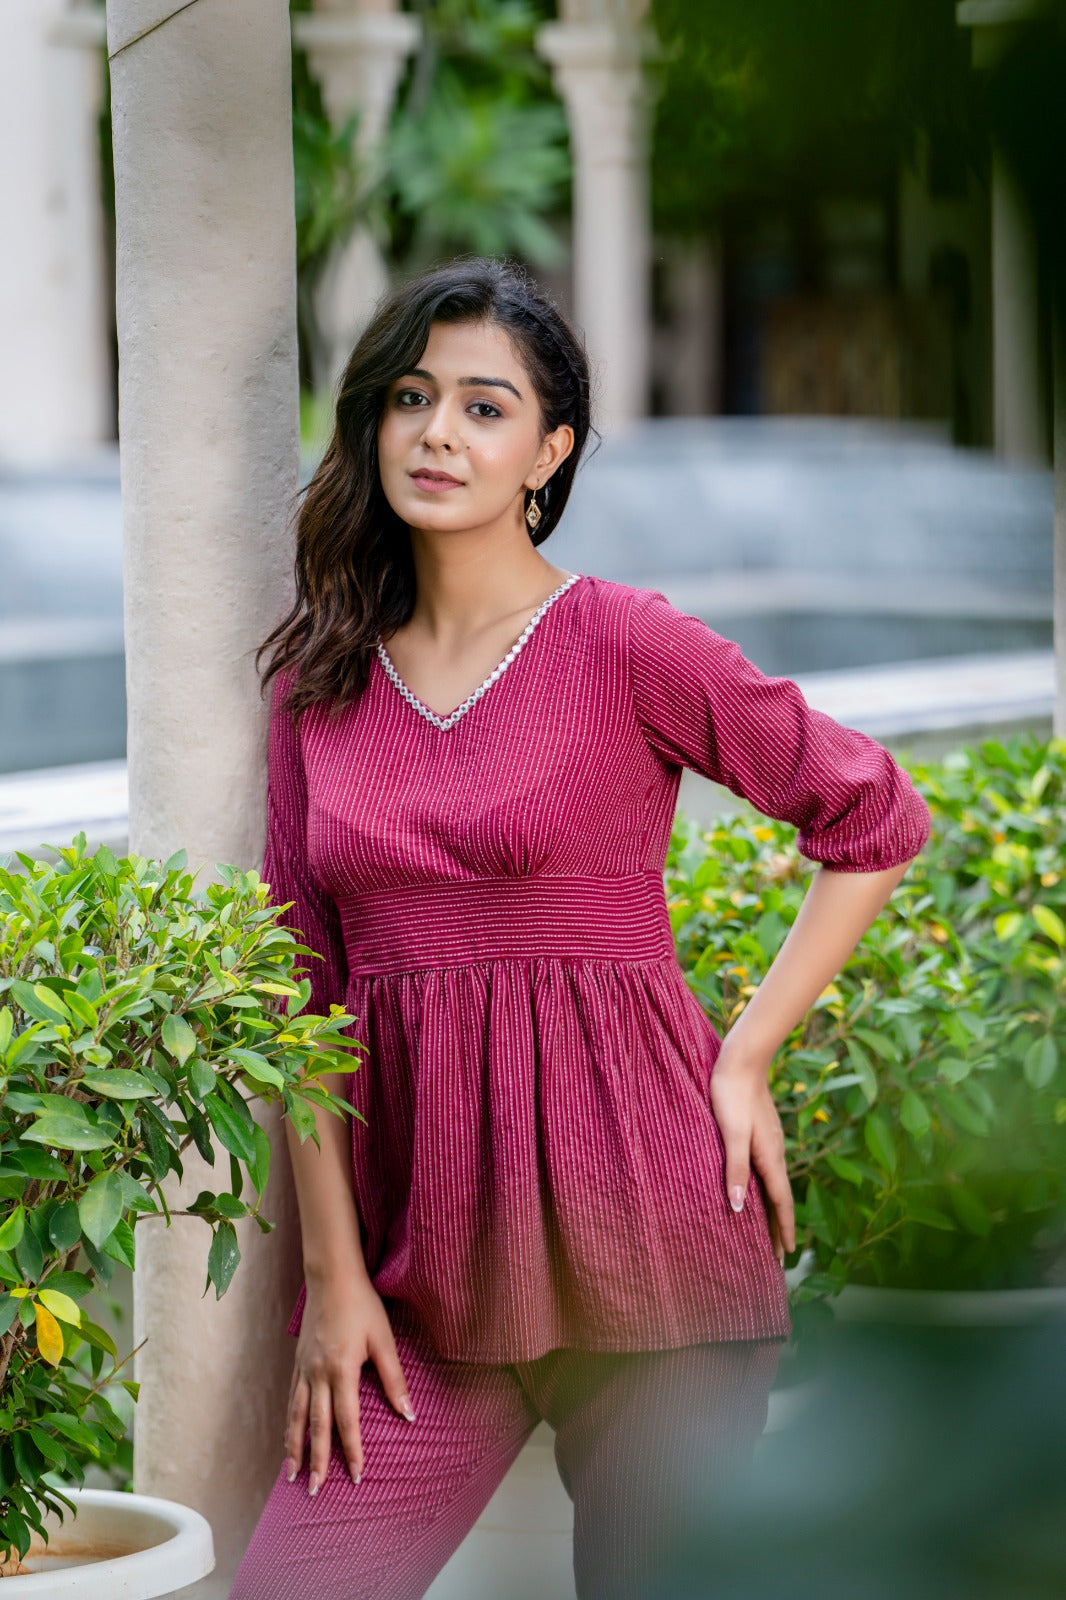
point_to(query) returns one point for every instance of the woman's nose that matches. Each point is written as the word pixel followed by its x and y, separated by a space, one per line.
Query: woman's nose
pixel 441 426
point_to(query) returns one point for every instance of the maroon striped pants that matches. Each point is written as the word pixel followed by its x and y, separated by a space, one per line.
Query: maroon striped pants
pixel 640 1439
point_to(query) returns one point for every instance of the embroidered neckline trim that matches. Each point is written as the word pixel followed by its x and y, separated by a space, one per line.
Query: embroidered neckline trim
pixel 444 723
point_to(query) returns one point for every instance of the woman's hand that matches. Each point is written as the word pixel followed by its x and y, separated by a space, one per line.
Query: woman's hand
pixel 344 1325
pixel 751 1130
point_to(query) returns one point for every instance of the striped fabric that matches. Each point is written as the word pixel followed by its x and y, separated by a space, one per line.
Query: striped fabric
pixel 540 1166
pixel 646 1444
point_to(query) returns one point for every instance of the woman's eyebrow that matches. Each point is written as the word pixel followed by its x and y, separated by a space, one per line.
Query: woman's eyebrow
pixel 467 383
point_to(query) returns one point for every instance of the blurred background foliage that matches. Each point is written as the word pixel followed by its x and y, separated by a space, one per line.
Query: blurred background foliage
pixel 477 153
pixel 768 99
pixel 770 102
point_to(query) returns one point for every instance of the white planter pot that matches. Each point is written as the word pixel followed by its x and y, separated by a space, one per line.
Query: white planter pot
pixel 972 1308
pixel 978 1308
pixel 118 1547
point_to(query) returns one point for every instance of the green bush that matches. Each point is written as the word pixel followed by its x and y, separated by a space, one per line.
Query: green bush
pixel 923 1097
pixel 136 1019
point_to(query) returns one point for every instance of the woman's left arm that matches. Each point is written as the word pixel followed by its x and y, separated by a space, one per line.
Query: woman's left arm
pixel 836 911
pixel 703 704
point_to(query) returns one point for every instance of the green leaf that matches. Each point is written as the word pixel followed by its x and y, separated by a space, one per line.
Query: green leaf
pixel 7 1028
pixel 8 1307
pixel 119 1083
pixel 100 1207
pixel 61 1305
pixel 30 1256
pixel 259 1169
pixel 930 1217
pixel 82 1010
pixel 1051 923
pixel 38 1164
pixel 302 1118
pixel 201 1077
pixel 200 1129
pixel 971 1211
pixel 913 1114
pixel 105 861
pixel 1041 1060
pixel 68 1133
pixel 844 1168
pixel 233 1132
pixel 98 1337
pixel 257 1066
pixel 11 1229
pixel 120 1245
pixel 222 1258
pixel 178 1038
pixel 64 1225
pixel 227 1205
pixel 863 1068
pixel 1007 924
pixel 49 1448
pixel 879 1140
pixel 37 1000
pixel 965 1113
pixel 157 1151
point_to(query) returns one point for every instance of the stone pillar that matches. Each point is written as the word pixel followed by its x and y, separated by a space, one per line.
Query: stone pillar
pixel 1020 420
pixel 1058 726
pixel 55 368
pixel 1020 416
pixel 206 304
pixel 357 50
pixel 597 53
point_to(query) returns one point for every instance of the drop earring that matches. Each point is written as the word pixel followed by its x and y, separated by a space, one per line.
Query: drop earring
pixel 533 511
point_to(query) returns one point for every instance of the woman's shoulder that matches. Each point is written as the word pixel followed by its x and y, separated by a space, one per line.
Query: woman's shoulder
pixel 627 612
pixel 613 600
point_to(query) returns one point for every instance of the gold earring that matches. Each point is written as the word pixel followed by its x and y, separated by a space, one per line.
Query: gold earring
pixel 533 511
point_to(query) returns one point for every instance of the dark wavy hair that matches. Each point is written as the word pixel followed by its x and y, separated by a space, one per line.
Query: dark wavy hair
pixel 354 567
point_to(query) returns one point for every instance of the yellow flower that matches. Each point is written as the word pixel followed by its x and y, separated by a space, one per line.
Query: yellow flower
pixel 820 1116
pixel 799 1088
pixel 1049 879
pixel 763 833
pixel 939 933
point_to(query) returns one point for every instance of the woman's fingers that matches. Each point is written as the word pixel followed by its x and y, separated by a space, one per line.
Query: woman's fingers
pixel 383 1354
pixel 321 1432
pixel 296 1424
pixel 779 1193
pixel 346 1416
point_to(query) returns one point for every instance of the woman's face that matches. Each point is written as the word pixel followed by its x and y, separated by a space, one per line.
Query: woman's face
pixel 460 439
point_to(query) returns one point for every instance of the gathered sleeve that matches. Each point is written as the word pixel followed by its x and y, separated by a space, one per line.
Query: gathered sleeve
pixel 285 865
pixel 702 704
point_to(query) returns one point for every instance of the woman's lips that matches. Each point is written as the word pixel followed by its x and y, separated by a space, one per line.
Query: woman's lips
pixel 425 480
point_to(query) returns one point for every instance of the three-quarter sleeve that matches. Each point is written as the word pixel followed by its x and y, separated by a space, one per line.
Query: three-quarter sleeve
pixel 285 865
pixel 703 704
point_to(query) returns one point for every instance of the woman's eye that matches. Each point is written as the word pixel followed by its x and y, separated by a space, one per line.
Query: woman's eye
pixel 493 411
pixel 408 394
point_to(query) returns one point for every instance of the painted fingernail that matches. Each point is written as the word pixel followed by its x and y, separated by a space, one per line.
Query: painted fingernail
pixel 291 1473
pixel 357 1477
pixel 405 1407
pixel 313 1486
pixel 736 1197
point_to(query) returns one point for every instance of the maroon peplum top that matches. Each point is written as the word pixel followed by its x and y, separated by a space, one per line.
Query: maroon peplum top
pixel 540 1166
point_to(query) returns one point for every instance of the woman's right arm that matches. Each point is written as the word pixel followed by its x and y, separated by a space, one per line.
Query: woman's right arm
pixel 344 1323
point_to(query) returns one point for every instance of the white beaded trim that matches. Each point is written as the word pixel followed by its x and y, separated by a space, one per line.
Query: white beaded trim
pixel 444 723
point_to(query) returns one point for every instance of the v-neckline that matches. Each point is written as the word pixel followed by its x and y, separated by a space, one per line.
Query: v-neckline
pixel 446 722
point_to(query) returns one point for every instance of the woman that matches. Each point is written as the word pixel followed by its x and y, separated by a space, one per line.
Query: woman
pixel 554 1209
